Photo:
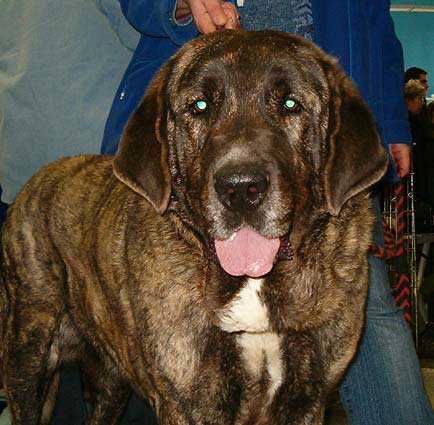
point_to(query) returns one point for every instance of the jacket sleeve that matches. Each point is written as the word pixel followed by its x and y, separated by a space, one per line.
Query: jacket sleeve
pixel 156 18
pixel 396 126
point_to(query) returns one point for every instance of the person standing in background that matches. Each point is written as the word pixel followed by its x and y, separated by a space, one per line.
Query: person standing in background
pixel 421 121
pixel 423 152
pixel 415 73
pixel 422 131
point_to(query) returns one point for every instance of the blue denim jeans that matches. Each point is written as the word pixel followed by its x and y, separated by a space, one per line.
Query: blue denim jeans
pixel 383 385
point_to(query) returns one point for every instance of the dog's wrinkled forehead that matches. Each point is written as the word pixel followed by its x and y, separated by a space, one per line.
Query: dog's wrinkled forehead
pixel 246 58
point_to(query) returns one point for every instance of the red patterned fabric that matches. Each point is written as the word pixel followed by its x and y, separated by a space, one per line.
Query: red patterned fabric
pixel 393 251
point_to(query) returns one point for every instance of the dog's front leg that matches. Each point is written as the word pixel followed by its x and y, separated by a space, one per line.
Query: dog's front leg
pixel 26 377
pixel 109 390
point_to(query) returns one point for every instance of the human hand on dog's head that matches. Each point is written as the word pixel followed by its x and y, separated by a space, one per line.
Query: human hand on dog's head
pixel 210 15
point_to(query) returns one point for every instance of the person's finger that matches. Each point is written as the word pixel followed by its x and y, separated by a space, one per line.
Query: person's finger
pixel 211 15
pixel 404 169
pixel 201 16
pixel 205 25
pixel 233 18
pixel 216 12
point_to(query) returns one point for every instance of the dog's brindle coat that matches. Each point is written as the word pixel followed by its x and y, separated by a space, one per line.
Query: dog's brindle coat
pixel 111 263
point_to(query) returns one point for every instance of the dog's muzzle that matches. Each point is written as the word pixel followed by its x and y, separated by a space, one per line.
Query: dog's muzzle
pixel 242 189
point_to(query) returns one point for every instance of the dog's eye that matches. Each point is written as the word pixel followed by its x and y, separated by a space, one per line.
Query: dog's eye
pixel 290 105
pixel 200 106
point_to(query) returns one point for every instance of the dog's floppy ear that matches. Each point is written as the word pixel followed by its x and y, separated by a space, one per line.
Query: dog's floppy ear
pixel 141 161
pixel 356 158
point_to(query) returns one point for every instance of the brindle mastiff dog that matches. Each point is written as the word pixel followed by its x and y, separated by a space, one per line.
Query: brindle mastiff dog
pixel 218 264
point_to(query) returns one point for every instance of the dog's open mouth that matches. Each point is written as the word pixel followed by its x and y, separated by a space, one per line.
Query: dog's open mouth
pixel 247 253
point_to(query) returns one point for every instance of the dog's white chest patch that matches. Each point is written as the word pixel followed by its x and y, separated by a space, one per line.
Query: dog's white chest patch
pixel 260 348
pixel 246 312
pixel 262 354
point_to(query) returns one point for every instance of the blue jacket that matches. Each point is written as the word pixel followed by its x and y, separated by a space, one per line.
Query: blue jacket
pixel 359 32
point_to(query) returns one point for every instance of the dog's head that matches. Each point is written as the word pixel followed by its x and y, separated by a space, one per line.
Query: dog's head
pixel 245 131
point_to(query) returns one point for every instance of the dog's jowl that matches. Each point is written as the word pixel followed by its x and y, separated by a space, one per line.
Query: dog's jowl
pixel 217 265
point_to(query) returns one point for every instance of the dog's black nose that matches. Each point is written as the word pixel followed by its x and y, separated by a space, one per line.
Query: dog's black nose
pixel 241 190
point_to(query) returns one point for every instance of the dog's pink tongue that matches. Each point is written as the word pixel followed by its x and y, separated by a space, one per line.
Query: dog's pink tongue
pixel 247 253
